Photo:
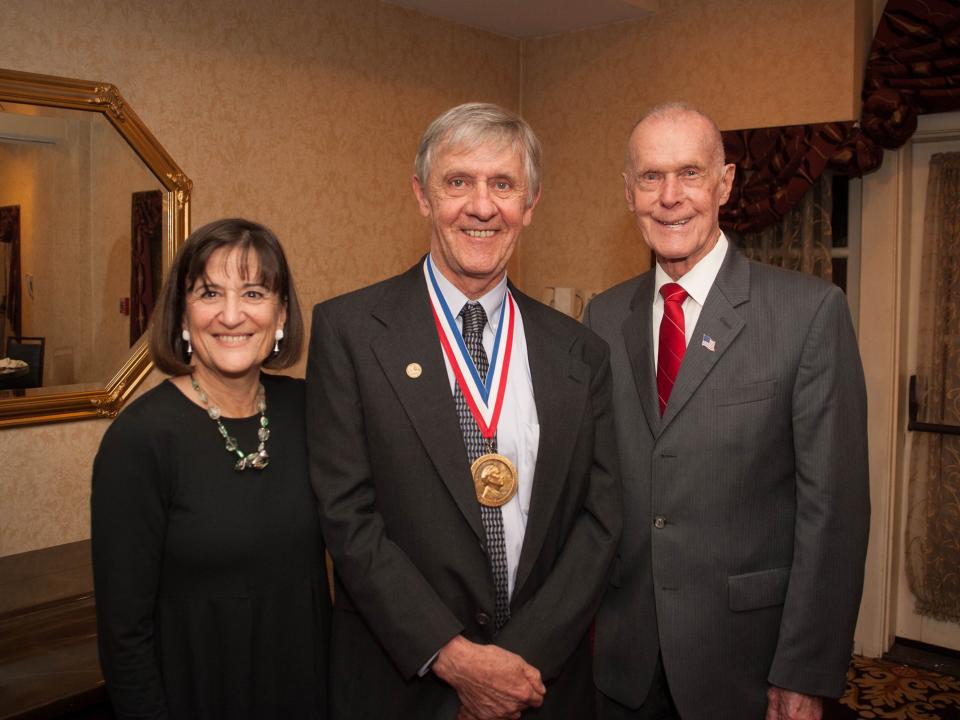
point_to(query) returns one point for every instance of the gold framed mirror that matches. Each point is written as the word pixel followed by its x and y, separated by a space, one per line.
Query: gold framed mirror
pixel 99 209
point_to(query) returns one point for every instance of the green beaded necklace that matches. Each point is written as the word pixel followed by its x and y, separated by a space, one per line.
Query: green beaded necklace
pixel 257 460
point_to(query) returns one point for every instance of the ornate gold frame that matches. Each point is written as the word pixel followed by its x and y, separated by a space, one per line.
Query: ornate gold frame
pixel 51 91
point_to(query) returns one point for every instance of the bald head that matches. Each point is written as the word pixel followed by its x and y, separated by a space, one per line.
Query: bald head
pixel 675 182
pixel 672 112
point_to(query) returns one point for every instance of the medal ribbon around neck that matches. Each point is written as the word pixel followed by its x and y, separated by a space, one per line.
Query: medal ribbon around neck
pixel 485 400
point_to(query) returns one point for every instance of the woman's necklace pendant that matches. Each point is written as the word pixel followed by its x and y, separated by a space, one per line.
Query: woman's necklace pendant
pixel 257 460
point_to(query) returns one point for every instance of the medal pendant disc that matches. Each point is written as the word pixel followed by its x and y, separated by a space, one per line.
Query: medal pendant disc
pixel 494 479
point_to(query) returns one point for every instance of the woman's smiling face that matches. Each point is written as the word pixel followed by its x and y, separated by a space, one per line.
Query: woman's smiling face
pixel 231 316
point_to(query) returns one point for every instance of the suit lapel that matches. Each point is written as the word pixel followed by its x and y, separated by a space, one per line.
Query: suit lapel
pixel 637 336
pixel 720 322
pixel 410 336
pixel 559 384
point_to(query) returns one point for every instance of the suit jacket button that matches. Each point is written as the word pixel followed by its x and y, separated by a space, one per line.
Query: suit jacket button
pixel 659 522
pixel 482 618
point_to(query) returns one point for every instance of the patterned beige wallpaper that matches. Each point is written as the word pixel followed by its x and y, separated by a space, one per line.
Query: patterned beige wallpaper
pixel 748 63
pixel 304 114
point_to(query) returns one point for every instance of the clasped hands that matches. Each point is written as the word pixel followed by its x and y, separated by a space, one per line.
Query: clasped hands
pixel 491 683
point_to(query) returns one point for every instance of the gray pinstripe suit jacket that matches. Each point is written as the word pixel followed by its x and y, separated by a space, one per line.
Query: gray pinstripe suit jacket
pixel 746 507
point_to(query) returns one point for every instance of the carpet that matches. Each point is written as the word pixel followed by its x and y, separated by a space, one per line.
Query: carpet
pixel 879 689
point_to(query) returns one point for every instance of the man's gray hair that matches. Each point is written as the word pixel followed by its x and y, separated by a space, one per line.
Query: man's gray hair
pixel 472 124
pixel 672 109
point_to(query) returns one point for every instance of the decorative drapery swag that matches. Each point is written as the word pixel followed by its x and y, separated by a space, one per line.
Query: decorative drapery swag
pixel 933 520
pixel 914 68
pixel 777 166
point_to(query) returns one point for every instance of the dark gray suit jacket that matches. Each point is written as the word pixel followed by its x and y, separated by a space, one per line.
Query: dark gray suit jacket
pixel 746 506
pixel 402 521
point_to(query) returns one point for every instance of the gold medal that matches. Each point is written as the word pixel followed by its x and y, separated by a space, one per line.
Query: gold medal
pixel 494 479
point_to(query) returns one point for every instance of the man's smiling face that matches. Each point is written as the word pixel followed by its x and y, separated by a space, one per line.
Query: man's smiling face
pixel 476 199
pixel 675 184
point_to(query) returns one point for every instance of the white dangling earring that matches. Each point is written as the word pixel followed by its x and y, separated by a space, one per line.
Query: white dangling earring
pixel 278 336
pixel 186 338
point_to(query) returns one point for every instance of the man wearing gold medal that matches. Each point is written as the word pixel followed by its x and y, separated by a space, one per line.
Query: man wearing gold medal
pixel 461 450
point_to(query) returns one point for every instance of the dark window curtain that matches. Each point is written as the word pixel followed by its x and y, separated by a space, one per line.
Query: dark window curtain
pixel 146 235
pixel 10 237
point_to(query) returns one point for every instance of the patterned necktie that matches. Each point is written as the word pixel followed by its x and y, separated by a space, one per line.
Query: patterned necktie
pixel 474 320
pixel 673 341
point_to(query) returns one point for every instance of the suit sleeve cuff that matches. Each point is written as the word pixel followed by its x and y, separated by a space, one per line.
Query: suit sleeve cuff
pixel 427 665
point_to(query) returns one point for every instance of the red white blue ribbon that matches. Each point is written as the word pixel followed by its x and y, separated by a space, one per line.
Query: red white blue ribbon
pixel 485 399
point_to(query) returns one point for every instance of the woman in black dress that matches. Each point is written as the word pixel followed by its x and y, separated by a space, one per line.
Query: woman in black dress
pixel 211 588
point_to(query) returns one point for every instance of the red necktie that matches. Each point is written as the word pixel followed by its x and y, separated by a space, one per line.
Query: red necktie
pixel 673 342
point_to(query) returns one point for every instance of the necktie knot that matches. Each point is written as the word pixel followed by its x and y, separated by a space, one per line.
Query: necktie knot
pixel 673 293
pixel 474 320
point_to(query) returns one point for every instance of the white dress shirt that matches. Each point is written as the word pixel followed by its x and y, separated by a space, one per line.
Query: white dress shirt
pixel 518 432
pixel 697 282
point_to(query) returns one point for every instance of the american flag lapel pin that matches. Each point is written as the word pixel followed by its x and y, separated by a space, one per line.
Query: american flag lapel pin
pixel 709 343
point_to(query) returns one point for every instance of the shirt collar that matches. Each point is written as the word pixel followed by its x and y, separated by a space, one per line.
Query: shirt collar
pixel 492 301
pixel 699 279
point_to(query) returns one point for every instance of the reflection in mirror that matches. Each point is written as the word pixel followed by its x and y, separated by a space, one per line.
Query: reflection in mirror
pixel 91 211
pixel 71 183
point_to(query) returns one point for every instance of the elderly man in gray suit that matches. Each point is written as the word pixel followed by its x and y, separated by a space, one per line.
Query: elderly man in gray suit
pixel 740 413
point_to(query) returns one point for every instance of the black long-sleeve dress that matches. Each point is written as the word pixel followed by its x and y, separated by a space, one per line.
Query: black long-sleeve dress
pixel 211 589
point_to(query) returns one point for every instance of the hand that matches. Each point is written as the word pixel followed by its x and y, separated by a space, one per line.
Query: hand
pixel 789 705
pixel 491 683
pixel 464 714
